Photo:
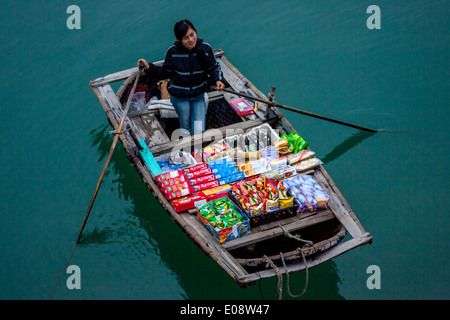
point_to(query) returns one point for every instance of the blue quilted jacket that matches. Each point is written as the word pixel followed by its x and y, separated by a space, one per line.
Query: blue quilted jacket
pixel 188 70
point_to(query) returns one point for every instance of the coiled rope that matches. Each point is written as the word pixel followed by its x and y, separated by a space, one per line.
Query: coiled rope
pixel 279 275
pixel 277 271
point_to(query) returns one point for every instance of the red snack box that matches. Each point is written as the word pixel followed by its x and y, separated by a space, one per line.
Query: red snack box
pixel 202 179
pixel 189 202
pixel 173 181
pixel 198 173
pixel 195 167
pixel 206 185
pixel 177 193
pixel 168 175
pixel 172 187
pixel 241 106
pixel 215 196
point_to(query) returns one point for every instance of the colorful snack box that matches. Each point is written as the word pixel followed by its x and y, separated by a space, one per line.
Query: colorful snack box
pixel 168 175
pixel 278 164
pixel 202 179
pixel 220 161
pixel 172 187
pixel 195 167
pixel 217 192
pixel 270 153
pixel 189 202
pixel 216 168
pixel 231 178
pixel 217 195
pixel 223 219
pixel 241 106
pixel 256 164
pixel 226 173
pixel 177 193
pixel 173 181
pixel 198 173
pixel 205 185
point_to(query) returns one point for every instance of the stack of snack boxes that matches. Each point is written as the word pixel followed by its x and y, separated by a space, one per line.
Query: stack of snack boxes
pixel 204 181
pixel 223 174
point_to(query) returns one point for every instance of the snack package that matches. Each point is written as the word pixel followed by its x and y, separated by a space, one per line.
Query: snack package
pixel 241 106
pixel 248 155
pixel 172 187
pixel 282 146
pixel 262 195
pixel 256 166
pixel 231 178
pixel 213 149
pixel 307 164
pixel 217 192
pixel 287 172
pixel 221 161
pixel 278 164
pixel 202 179
pixel 226 173
pixel 297 157
pixel 195 167
pixel 168 175
pixel 205 185
pixel 217 168
pixel 295 142
pixel 177 193
pixel 189 202
pixel 270 153
pixel 307 192
pixel 224 154
pixel 172 181
pixel 198 172
pixel 291 143
pixel 223 219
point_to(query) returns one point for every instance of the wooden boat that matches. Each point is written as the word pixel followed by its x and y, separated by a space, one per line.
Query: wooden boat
pixel 277 248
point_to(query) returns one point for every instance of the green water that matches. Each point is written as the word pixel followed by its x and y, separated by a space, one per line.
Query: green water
pixel 320 56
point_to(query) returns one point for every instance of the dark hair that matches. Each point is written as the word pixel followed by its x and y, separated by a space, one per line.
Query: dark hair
pixel 181 28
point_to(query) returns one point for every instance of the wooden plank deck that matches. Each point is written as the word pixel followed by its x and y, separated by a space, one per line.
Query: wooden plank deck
pixel 271 230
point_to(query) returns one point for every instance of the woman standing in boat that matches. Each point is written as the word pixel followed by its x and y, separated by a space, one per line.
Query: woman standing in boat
pixel 188 63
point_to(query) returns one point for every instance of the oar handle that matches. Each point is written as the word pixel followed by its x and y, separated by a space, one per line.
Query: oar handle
pixel 306 113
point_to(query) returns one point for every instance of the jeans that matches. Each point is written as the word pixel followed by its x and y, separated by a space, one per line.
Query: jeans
pixel 191 113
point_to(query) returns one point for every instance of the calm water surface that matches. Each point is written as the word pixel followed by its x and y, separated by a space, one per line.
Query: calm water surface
pixel 320 56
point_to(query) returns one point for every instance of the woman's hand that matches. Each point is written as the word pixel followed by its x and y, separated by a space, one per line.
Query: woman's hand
pixel 219 85
pixel 146 65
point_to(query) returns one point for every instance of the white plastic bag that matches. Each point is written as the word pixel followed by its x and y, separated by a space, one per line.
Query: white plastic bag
pixel 138 102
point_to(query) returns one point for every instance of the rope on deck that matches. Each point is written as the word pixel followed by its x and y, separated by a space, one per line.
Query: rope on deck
pixel 287 276
pixel 269 262
pixel 279 275
pixel 308 244
pixel 295 237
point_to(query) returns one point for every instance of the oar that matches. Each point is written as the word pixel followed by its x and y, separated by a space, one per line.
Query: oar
pixel 310 114
pixel 111 150
pixel 100 179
